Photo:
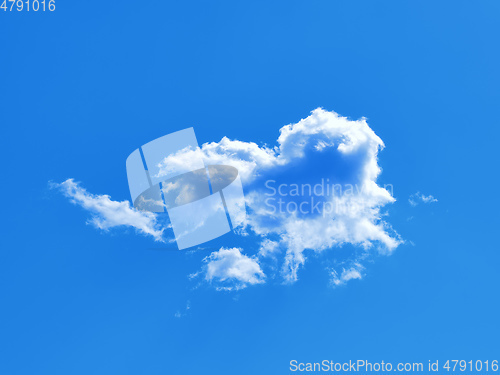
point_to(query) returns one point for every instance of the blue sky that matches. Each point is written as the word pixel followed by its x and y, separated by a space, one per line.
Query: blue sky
pixel 84 86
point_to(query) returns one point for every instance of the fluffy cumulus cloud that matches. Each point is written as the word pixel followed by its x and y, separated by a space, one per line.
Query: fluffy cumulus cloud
pixel 418 197
pixel 107 214
pixel 230 269
pixel 314 190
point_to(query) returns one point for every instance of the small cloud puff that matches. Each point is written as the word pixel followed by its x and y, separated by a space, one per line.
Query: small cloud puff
pixel 351 273
pixel 418 197
pixel 229 269
pixel 178 314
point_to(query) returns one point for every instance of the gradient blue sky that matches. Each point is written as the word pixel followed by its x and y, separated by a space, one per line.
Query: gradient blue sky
pixel 85 85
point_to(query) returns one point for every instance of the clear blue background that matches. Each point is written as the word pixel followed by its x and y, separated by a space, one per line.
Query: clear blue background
pixel 83 86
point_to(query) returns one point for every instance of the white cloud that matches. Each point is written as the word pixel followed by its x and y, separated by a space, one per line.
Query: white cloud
pixel 418 197
pixel 323 146
pixel 351 273
pixel 107 213
pixel 268 248
pixel 247 157
pixel 229 269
